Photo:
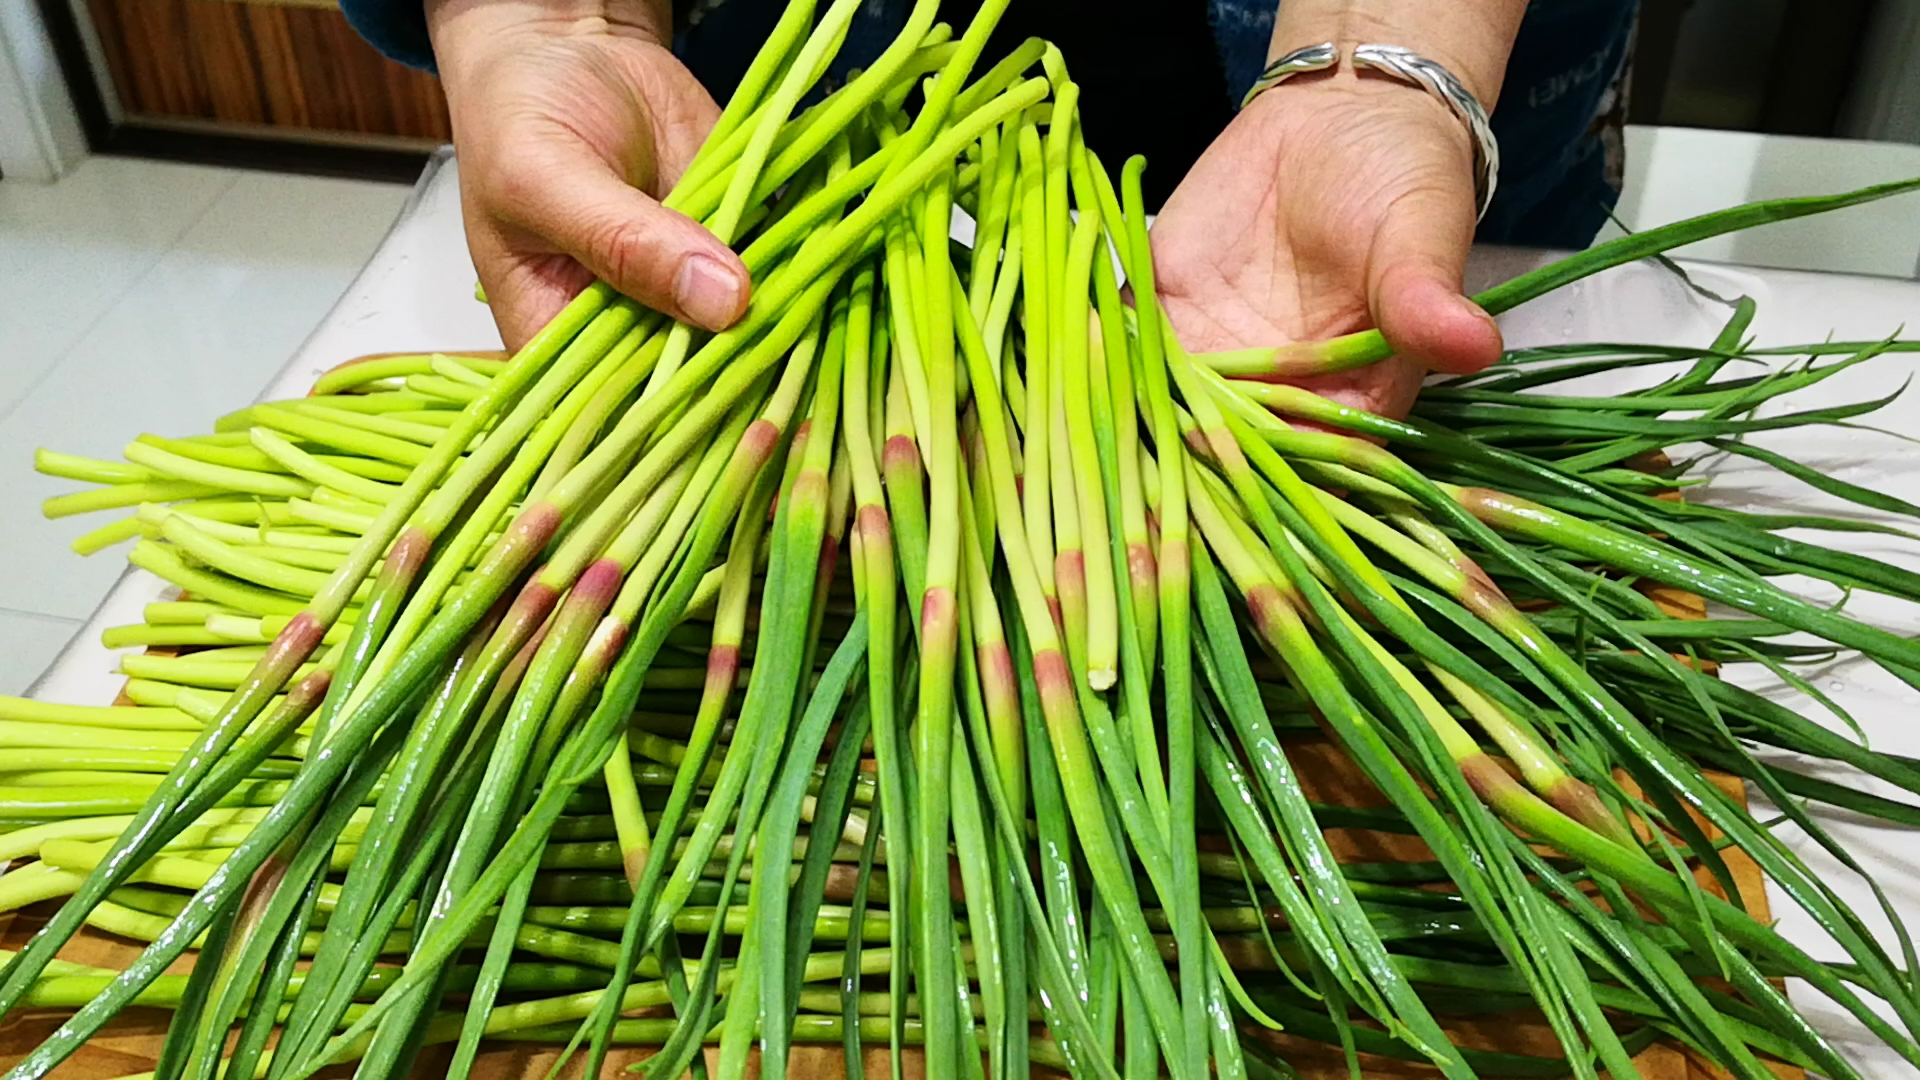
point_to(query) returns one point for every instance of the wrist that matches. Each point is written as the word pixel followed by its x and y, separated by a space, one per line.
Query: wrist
pixel 1392 126
pixel 1470 38
pixel 1324 103
pixel 464 32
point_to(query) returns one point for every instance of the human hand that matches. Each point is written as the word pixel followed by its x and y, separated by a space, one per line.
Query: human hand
pixel 1331 203
pixel 572 119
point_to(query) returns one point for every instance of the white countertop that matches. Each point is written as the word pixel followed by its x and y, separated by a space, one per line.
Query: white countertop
pixel 417 294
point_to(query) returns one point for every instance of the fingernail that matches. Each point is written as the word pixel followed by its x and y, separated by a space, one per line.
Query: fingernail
pixel 707 292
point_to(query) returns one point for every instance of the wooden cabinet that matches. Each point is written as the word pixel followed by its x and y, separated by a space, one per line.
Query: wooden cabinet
pixel 278 68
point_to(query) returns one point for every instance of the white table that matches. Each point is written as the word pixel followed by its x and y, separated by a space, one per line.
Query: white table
pixel 417 293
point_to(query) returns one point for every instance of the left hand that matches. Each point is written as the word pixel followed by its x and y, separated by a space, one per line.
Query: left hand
pixel 1331 203
pixel 573 119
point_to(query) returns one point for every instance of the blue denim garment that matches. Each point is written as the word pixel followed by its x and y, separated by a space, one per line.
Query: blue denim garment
pixel 1558 118
pixel 398 28
pixel 1559 124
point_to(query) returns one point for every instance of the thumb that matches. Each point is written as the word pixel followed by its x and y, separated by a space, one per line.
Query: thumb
pixel 660 257
pixel 1414 285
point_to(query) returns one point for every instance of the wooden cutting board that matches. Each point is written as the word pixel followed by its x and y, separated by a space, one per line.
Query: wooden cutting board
pixel 132 1042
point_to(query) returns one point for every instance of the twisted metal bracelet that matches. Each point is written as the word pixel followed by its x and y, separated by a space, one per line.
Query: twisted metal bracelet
pixel 1409 67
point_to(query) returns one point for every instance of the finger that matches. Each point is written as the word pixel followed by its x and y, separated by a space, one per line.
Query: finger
pixel 684 114
pixel 524 291
pixel 658 256
pixel 1414 285
pixel 646 80
pixel 1387 388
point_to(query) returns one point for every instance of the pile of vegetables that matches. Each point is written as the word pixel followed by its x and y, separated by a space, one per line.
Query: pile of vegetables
pixel 917 662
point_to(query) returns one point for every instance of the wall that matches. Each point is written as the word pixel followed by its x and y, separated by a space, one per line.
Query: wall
pixel 40 135
pixel 1886 100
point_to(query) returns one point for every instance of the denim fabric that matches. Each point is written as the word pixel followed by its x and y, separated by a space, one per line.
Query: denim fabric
pixel 398 28
pixel 1559 121
pixel 1558 118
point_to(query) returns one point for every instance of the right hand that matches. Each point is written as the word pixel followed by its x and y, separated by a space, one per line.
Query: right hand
pixel 572 118
pixel 1331 204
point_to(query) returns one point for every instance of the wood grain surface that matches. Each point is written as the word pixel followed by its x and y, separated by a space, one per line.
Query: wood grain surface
pixel 131 1043
pixel 298 67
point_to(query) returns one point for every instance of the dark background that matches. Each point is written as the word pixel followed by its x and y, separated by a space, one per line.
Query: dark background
pixel 284 84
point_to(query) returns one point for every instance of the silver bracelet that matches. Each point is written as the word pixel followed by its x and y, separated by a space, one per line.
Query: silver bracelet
pixel 1408 67
pixel 1312 58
